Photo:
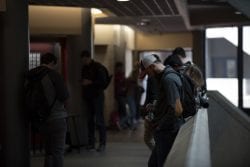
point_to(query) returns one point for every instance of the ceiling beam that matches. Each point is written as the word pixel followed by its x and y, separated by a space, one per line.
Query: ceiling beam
pixel 183 10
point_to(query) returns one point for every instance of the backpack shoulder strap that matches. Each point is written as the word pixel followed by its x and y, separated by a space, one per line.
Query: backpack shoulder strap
pixel 181 79
pixel 171 72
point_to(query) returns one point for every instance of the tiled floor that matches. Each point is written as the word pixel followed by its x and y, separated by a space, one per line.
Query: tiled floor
pixel 124 149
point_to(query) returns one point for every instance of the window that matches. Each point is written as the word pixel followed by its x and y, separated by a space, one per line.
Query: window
pixel 246 71
pixel 34 59
pixel 221 58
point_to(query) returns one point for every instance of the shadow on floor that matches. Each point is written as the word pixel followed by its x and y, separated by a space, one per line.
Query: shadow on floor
pixel 125 148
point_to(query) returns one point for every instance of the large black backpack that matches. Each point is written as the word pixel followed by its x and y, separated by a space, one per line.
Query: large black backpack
pixel 108 78
pixel 36 102
pixel 187 94
pixel 188 98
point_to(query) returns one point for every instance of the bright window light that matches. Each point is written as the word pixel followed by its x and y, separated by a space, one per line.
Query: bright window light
pixel 246 39
pixel 225 33
pixel 222 76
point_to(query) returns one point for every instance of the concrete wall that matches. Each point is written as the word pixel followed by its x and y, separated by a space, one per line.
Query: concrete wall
pixel 14 127
pixel 229 130
pixel 191 147
pixel 218 136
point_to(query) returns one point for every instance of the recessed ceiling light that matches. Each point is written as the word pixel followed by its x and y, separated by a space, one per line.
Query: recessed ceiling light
pixel 237 13
pixel 96 11
pixel 145 20
pixel 141 24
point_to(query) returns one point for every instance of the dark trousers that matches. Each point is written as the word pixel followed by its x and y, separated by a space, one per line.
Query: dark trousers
pixel 95 107
pixel 121 102
pixel 164 140
pixel 55 134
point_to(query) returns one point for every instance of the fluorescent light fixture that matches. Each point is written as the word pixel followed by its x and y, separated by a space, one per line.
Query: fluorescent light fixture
pixel 96 11
pixel 123 0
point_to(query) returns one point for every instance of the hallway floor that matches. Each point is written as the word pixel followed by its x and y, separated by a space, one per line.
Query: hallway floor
pixel 125 148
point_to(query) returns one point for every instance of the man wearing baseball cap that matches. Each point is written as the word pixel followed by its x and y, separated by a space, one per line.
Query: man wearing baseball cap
pixel 167 109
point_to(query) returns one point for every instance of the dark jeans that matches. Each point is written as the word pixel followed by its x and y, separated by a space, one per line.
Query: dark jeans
pixel 164 140
pixel 95 107
pixel 55 134
pixel 133 109
pixel 121 102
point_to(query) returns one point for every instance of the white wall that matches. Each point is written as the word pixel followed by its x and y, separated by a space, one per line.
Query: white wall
pixel 104 34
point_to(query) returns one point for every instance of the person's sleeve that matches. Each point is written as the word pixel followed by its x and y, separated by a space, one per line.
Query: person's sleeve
pixel 152 92
pixel 171 90
pixel 60 88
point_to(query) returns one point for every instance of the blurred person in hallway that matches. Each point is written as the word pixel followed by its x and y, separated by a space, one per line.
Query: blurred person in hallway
pixel 93 78
pixel 54 128
pixel 180 52
pixel 120 94
pixel 131 93
pixel 167 109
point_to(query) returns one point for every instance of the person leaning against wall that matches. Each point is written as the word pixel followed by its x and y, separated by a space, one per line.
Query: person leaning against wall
pixel 93 78
pixel 120 95
pixel 167 110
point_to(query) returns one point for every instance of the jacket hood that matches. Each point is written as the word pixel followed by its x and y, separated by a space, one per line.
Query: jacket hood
pixel 168 68
pixel 37 73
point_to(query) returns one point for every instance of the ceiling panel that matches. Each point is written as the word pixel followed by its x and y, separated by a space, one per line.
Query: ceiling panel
pixel 172 5
pixel 166 8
